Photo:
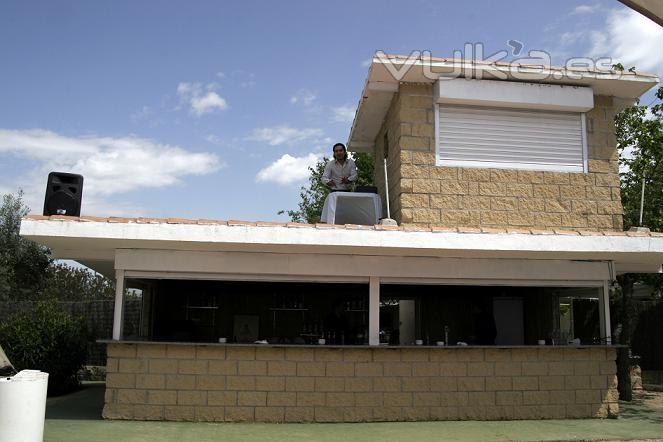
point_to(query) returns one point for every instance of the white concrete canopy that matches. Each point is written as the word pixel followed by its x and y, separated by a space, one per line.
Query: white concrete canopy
pixel 187 249
pixel 95 243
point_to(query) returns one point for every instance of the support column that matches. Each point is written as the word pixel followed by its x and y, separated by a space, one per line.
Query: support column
pixel 604 313
pixel 374 311
pixel 118 315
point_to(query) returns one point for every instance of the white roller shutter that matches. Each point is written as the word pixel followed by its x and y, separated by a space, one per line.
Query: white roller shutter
pixel 475 136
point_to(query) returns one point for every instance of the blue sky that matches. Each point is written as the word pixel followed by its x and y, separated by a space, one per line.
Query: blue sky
pixel 215 109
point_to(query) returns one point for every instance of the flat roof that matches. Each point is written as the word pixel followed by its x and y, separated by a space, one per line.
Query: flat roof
pixel 382 83
pixel 94 240
pixel 652 9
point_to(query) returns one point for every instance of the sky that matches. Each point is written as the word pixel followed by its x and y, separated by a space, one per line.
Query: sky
pixel 209 109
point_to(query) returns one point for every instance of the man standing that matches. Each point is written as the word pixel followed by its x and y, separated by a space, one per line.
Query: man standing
pixel 340 172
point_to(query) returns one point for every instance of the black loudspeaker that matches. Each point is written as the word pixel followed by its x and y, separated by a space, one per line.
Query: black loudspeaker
pixel 64 192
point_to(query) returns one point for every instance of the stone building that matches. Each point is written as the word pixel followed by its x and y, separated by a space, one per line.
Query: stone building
pixel 489 300
pixel 428 190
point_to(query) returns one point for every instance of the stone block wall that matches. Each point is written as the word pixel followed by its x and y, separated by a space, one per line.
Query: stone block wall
pixel 387 140
pixel 307 384
pixel 427 195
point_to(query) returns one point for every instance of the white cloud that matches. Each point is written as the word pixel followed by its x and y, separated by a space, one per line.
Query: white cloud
pixel 186 88
pixel 109 165
pixel 288 169
pixel 275 136
pixel 303 96
pixel 343 114
pixel 207 103
pixel 584 9
pixel 631 39
pixel 201 99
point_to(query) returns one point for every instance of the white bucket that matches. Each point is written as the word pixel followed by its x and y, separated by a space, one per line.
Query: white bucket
pixel 23 406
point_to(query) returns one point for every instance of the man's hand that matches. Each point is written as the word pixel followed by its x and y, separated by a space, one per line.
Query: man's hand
pixel 331 183
pixel 345 180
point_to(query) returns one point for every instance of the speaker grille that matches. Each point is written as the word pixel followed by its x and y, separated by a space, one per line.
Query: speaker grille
pixel 64 192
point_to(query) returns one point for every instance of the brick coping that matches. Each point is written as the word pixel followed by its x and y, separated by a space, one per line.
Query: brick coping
pixel 321 226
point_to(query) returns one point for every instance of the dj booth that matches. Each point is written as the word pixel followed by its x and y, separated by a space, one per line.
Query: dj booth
pixel 352 208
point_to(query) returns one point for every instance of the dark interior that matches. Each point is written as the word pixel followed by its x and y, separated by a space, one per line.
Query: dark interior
pixel 276 312
pixel 305 312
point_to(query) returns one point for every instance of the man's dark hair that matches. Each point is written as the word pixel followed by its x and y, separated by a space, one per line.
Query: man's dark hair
pixel 345 151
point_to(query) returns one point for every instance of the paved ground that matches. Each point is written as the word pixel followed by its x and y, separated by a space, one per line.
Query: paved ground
pixel 76 417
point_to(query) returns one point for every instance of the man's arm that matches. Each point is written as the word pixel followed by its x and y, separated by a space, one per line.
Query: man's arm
pixel 326 175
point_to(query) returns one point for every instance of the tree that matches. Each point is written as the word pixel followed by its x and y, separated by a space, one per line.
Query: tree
pixel 639 131
pixel 27 271
pixel 49 339
pixel 313 196
pixel 640 144
pixel 66 283
pixel 23 263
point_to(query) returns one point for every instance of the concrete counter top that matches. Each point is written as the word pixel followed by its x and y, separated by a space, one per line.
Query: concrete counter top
pixel 445 347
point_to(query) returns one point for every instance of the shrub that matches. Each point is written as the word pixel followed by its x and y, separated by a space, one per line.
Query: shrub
pixel 48 339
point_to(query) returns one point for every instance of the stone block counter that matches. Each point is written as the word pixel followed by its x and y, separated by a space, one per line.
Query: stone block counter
pixel 259 383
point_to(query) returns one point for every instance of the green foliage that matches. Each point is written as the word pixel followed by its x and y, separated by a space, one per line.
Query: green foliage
pixel 22 263
pixel 313 196
pixel 66 283
pixel 639 131
pixel 640 143
pixel 365 164
pixel 27 272
pixel 47 339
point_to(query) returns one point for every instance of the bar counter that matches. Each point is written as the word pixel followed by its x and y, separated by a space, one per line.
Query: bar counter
pixel 326 383
pixel 338 346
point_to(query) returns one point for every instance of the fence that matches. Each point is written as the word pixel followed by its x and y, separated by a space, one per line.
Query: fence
pixel 98 315
pixel 647 339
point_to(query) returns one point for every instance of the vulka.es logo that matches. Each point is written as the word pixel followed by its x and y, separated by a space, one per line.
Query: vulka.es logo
pixel 472 63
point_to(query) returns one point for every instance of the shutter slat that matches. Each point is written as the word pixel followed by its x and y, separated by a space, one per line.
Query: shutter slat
pixel 485 112
pixel 509 125
pixel 534 158
pixel 511 136
pixel 460 153
pixel 453 120
pixel 457 140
